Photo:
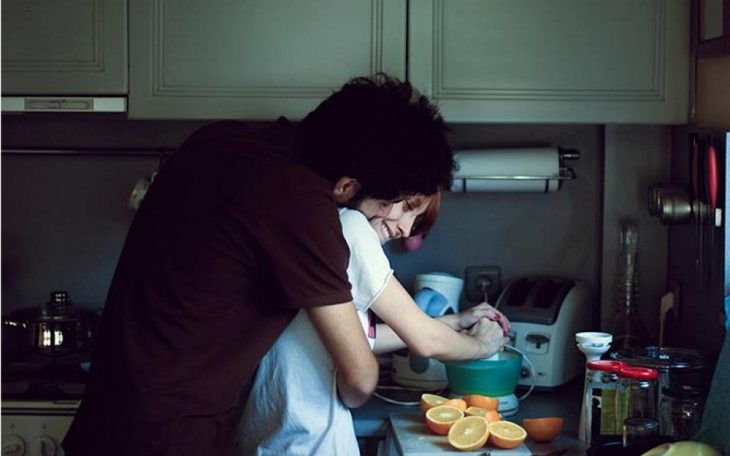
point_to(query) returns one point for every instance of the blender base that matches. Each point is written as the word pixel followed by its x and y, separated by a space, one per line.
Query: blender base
pixel 508 405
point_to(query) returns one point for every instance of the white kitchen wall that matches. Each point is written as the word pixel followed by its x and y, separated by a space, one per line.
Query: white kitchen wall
pixel 636 157
pixel 556 234
pixel 64 219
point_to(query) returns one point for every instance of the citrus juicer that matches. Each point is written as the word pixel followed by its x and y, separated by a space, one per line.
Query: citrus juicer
pixel 495 377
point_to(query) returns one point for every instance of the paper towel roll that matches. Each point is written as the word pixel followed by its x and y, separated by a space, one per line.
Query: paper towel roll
pixel 508 170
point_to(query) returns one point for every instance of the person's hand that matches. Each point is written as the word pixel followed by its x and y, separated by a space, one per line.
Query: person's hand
pixel 490 336
pixel 467 318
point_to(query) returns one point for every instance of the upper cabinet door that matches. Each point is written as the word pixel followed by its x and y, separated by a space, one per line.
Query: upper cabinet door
pixel 579 61
pixel 64 47
pixel 256 59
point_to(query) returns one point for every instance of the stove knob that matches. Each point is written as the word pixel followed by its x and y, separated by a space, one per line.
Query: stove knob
pixel 45 446
pixel 13 445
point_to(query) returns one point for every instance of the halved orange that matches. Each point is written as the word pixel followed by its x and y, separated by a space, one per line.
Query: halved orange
pixel 431 400
pixel 543 429
pixel 439 419
pixel 489 415
pixel 469 433
pixel 493 415
pixel 478 400
pixel 506 434
pixel 458 403
pixel 475 411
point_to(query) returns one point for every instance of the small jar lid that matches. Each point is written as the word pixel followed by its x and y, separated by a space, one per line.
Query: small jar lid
pixel 605 365
pixel 682 392
pixel 638 373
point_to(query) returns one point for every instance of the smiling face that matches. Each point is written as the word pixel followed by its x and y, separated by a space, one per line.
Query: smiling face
pixel 401 219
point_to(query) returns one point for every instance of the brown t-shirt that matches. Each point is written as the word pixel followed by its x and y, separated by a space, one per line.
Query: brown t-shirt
pixel 232 238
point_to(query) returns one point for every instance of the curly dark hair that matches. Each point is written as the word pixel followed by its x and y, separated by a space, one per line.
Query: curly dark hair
pixel 382 132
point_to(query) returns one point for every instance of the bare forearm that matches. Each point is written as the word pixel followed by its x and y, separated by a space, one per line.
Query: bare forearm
pixel 430 337
pixel 350 393
pixel 387 340
pixel 445 344
pixel 357 369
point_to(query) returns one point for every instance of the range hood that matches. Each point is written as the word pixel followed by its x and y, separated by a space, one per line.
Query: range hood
pixel 63 104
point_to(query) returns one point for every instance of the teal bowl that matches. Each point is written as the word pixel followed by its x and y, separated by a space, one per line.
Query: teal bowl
pixel 492 377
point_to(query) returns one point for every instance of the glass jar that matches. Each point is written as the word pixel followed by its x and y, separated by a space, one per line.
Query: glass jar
pixel 637 393
pixel 599 402
pixel 680 411
pixel 676 367
pixel 640 432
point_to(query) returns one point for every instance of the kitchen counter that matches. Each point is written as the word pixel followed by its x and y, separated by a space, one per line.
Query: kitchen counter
pixel 372 419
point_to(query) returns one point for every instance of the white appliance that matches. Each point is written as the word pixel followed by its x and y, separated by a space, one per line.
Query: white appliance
pixel 35 428
pixel 436 294
pixel 545 313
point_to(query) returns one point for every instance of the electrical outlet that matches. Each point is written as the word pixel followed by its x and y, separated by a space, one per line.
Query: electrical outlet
pixel 480 279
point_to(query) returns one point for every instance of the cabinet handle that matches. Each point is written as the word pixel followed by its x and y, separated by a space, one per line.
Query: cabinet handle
pixel 47 104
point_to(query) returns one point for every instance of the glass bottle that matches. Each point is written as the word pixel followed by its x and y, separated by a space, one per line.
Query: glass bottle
pixel 599 402
pixel 628 329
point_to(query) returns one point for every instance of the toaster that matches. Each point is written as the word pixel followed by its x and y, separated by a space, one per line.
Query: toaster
pixel 545 313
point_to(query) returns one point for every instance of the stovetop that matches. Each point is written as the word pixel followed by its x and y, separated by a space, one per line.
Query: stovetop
pixel 38 378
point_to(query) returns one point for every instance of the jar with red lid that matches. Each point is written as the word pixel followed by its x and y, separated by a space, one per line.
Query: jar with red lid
pixel 599 402
pixel 637 393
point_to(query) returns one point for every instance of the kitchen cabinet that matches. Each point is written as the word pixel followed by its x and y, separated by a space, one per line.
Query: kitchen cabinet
pixel 578 61
pixel 256 59
pixel 65 47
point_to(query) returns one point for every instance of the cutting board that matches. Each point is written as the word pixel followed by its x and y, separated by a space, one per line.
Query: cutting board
pixel 414 439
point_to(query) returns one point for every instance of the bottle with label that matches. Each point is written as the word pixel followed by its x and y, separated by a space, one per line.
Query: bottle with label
pixel 628 329
pixel 600 403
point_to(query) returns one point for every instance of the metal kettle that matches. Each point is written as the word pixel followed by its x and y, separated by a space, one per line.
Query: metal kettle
pixel 56 329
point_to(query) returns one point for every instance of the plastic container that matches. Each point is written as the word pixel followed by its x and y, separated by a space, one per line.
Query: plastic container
pixel 492 377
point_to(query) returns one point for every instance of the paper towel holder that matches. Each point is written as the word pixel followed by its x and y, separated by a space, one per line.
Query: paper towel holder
pixel 563 173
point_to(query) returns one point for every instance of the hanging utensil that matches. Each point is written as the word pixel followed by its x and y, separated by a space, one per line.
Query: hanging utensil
pixel 711 185
pixel 694 143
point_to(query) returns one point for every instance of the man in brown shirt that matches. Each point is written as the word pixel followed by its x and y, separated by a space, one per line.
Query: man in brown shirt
pixel 240 230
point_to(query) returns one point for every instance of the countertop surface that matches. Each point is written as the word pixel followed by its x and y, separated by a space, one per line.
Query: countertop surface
pixel 373 420
pixel 409 436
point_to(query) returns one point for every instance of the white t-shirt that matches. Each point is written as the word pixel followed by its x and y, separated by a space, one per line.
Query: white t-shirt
pixel 293 407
